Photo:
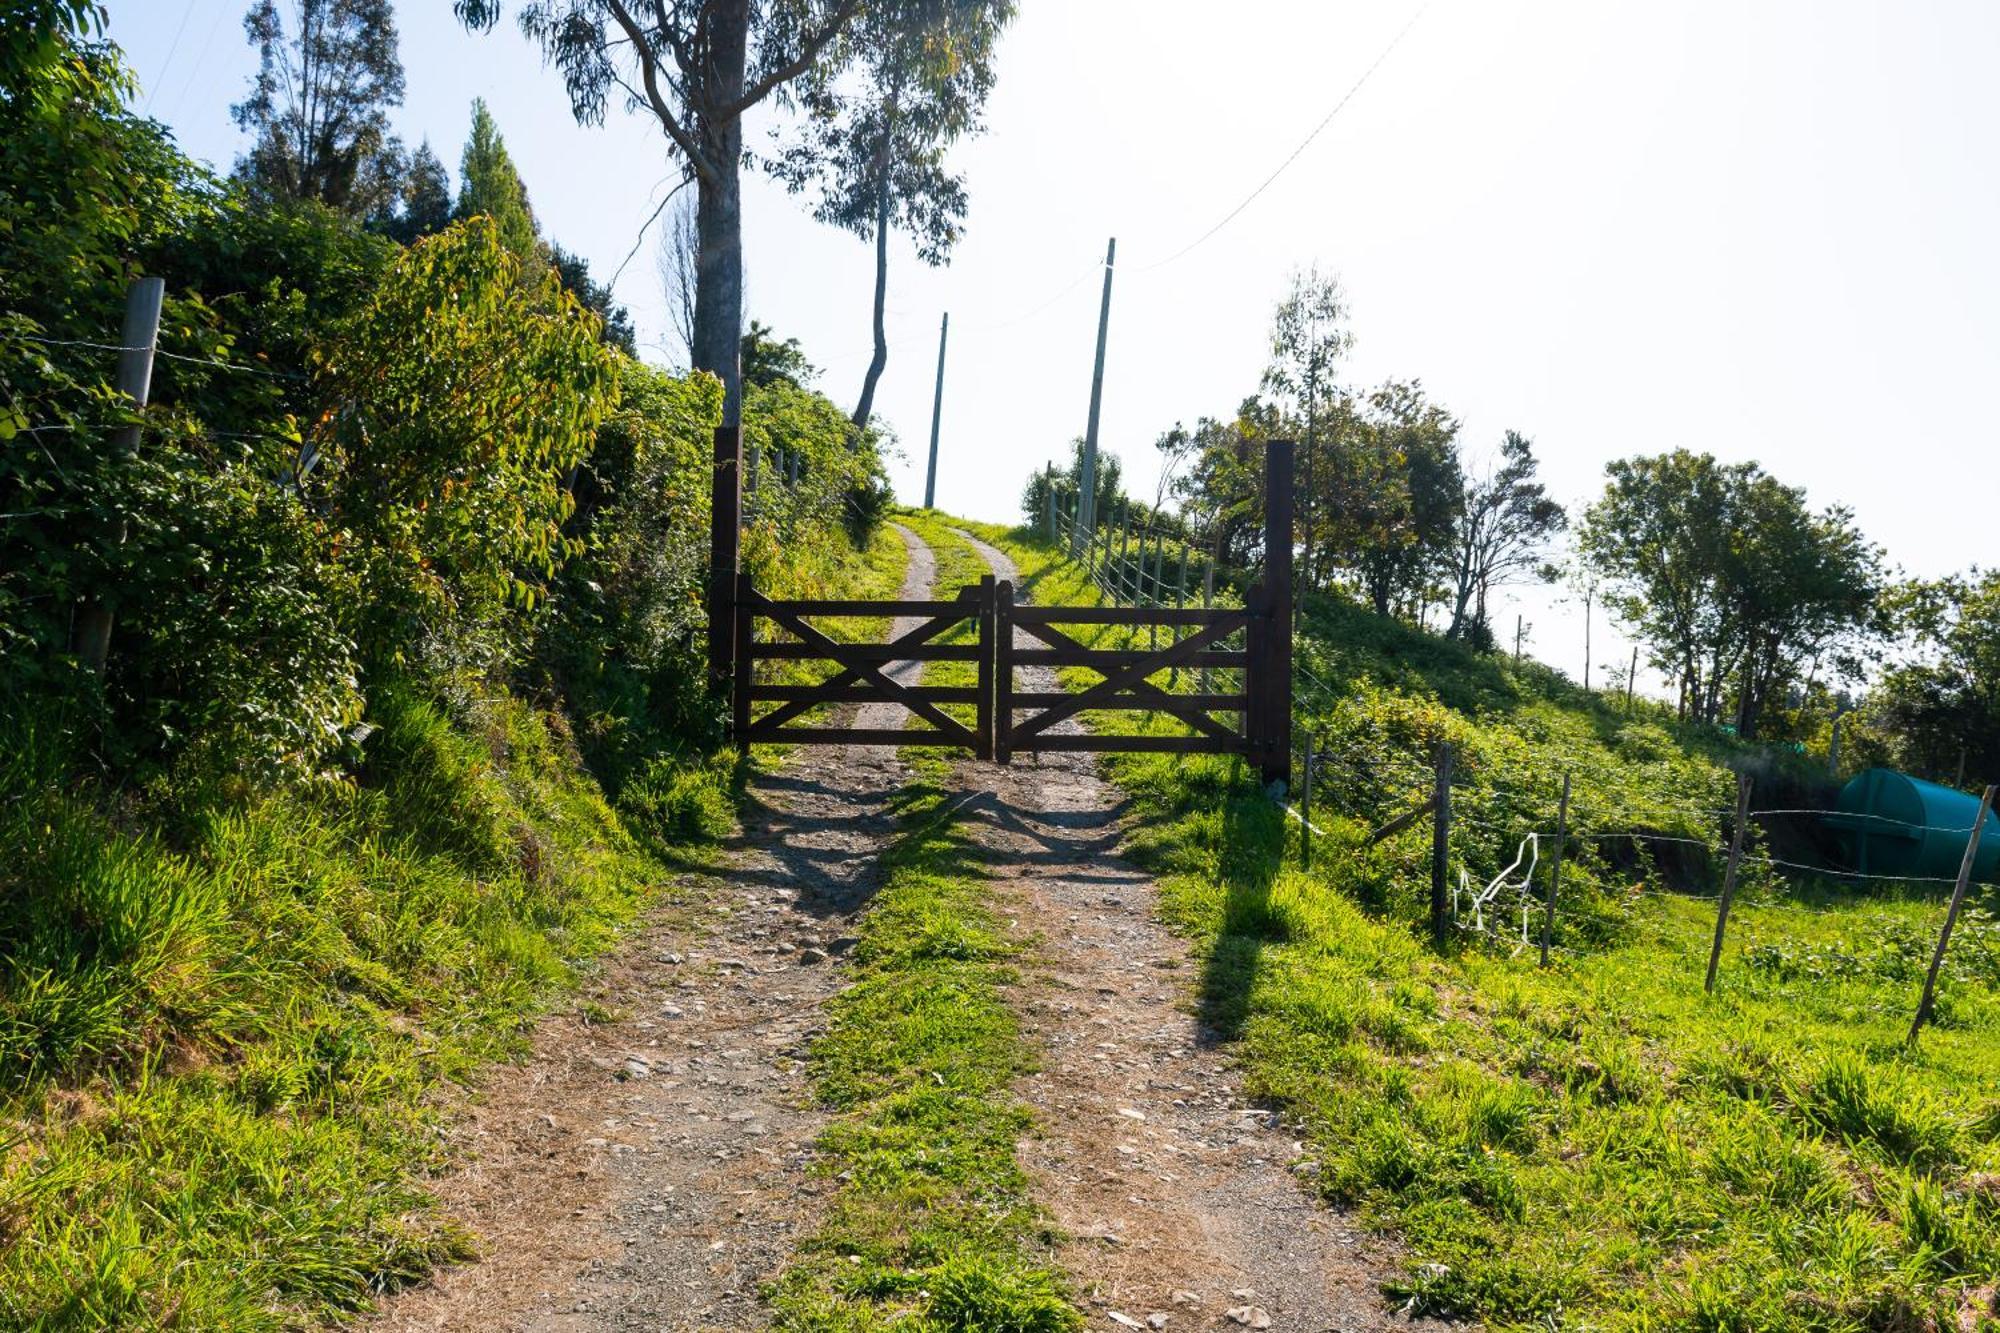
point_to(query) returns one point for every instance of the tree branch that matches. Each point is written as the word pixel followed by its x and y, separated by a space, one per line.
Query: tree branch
pixel 649 72
pixel 808 52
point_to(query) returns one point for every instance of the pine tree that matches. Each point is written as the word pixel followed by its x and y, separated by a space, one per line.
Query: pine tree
pixel 488 185
pixel 426 197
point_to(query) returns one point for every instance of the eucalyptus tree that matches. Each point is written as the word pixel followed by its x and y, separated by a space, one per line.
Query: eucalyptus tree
pixel 319 105
pixel 695 67
pixel 1309 336
pixel 875 145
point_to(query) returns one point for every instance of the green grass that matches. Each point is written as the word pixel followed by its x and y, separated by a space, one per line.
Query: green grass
pixel 930 1228
pixel 1596 1145
pixel 222 1016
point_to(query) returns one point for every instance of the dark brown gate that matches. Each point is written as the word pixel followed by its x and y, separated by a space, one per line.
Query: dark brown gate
pixel 1253 721
pixel 864 671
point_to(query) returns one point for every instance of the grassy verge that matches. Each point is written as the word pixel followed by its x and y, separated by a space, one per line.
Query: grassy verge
pixel 931 1229
pixel 220 1017
pixel 1595 1145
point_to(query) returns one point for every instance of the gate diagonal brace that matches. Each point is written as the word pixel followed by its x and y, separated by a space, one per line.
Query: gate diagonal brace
pixel 858 671
pixel 1169 703
pixel 1124 678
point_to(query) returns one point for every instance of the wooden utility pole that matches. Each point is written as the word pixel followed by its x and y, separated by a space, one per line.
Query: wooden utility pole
pixel 1049 492
pixel 1087 478
pixel 1556 871
pixel 1518 623
pixel 1729 878
pixel 134 379
pixel 937 413
pixel 1951 914
pixel 1631 677
pixel 1586 640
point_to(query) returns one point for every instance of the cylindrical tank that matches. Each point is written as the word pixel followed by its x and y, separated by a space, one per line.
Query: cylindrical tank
pixel 1893 824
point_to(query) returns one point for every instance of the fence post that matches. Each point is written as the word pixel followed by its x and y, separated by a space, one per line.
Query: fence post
pixel 1003 672
pixel 1276 687
pixel 1729 878
pixel 1049 497
pixel 983 713
pixel 1441 846
pixel 1556 870
pixel 744 624
pixel 724 552
pixel 134 379
pixel 1951 914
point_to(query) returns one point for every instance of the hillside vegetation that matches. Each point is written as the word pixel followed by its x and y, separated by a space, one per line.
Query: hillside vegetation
pixel 1595 1144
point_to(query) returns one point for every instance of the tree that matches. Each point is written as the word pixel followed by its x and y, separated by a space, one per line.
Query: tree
pixel 488 186
pixel 1943 705
pixel 573 271
pixel 767 361
pixel 1732 582
pixel 1309 335
pixel 1503 530
pixel 695 66
pixel 1402 496
pixel 878 152
pixel 1034 496
pixel 319 105
pixel 423 207
pixel 678 265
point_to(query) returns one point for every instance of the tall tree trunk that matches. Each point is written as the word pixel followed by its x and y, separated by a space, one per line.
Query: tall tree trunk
pixel 718 291
pixel 880 361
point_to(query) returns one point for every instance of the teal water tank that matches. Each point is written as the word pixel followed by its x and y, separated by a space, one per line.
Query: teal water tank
pixel 1890 823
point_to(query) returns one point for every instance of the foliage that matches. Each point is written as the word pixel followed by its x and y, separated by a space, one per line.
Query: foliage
pixel 1595 1144
pixel 1731 581
pixel 573 272
pixel 1067 480
pixel 423 200
pixel 319 106
pixel 701 64
pixel 875 147
pixel 768 361
pixel 1309 336
pixel 1942 706
pixel 489 186
pixel 467 392
pixel 1503 532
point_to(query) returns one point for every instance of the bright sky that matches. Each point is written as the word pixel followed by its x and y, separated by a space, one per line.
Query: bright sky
pixel 1761 229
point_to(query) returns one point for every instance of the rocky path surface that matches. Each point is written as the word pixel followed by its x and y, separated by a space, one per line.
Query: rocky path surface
pixel 645 1168
pixel 1181 1201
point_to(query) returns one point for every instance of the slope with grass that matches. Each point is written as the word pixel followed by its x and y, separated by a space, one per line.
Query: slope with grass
pixel 1595 1144
pixel 220 1015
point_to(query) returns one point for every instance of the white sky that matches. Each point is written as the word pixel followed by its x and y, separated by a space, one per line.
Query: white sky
pixel 1766 230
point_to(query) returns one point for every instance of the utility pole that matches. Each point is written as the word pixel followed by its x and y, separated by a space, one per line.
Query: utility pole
pixel 1587 596
pixel 135 380
pixel 1519 626
pixel 1087 480
pixel 1631 679
pixel 937 411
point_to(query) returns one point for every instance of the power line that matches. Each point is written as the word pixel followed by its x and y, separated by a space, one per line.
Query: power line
pixel 1304 144
pixel 167 64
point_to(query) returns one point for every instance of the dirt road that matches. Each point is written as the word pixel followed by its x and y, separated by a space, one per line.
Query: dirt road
pixel 646 1168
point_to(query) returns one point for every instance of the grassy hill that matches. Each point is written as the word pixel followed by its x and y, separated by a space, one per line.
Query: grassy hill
pixel 1596 1144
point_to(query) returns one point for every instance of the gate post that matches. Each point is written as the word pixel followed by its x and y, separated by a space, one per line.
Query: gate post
pixel 1003 671
pixel 742 651
pixel 1275 758
pixel 725 517
pixel 983 711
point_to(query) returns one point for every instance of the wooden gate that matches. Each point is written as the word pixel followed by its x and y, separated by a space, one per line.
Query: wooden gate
pixel 863 672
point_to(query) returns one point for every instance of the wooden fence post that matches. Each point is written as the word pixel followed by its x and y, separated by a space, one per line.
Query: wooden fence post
pixel 724 553
pixel 1729 878
pixel 1276 627
pixel 1441 846
pixel 134 379
pixel 1003 671
pixel 988 641
pixel 1556 870
pixel 1951 914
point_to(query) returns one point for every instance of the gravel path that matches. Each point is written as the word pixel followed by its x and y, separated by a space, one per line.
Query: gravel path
pixel 1178 1197
pixel 649 1172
